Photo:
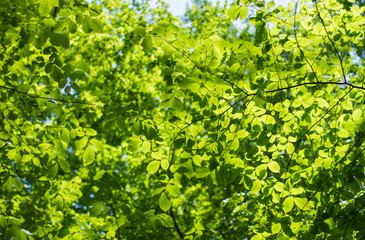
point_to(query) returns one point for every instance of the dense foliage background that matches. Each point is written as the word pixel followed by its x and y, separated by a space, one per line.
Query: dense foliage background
pixel 120 121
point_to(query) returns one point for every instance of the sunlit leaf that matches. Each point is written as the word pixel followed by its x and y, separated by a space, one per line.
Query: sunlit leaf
pixel 153 167
pixel 89 155
pixel 288 204
pixel 274 166
pixel 164 202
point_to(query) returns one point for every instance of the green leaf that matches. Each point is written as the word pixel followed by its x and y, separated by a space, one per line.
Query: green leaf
pixel 296 191
pixel 64 165
pixel 256 186
pixel 140 31
pixel 18 184
pixel 279 186
pixel 72 26
pixel 53 170
pixel 202 172
pixel 80 144
pixel 301 203
pixel 8 184
pixel 256 125
pixel 89 155
pixel 236 11
pixel 57 74
pixel 173 190
pixel 97 144
pixel 146 147
pixel 164 202
pixel 274 166
pixel 260 34
pixel 47 6
pixel 20 235
pixel 36 162
pixel 275 228
pixel 65 135
pixel 90 132
pixel 99 175
pixel 288 204
pixel 197 159
pixel 165 164
pixel 166 220
pixel 247 182
pixel 48 68
pixel 190 84
pixel 179 142
pixel 153 167
pixel 56 39
pixel 92 25
pixel 290 148
pixel 261 171
pixel 147 44
pixel 134 144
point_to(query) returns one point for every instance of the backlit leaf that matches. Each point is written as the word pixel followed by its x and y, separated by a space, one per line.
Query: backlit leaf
pixel 164 202
pixel 153 167
pixel 89 155
pixel 274 166
pixel 202 172
pixel 288 204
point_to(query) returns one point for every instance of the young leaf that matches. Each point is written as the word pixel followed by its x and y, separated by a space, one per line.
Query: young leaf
pixel 274 166
pixel 256 186
pixel 202 172
pixel 275 228
pixel 302 203
pixel 90 132
pixel 65 135
pixel 80 144
pixel 164 202
pixel 147 44
pixel 288 204
pixel 165 164
pixel 97 144
pixel 146 147
pixel 173 190
pixel 153 167
pixel 64 165
pixel 89 155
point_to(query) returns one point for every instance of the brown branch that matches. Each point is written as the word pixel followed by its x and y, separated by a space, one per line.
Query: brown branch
pixel 175 224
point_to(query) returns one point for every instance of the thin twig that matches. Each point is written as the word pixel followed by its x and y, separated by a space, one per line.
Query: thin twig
pixel 49 98
pixel 333 44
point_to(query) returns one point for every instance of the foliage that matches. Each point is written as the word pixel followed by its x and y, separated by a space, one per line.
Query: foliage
pixel 120 121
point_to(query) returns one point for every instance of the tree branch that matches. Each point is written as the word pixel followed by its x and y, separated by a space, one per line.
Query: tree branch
pixel 48 98
pixel 333 44
pixel 175 223
pixel 203 69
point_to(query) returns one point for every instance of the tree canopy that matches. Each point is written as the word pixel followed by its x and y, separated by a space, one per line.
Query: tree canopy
pixel 241 120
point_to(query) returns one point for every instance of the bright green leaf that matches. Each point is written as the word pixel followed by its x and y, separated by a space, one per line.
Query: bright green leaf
pixel 173 190
pixel 288 204
pixel 153 167
pixel 164 202
pixel 89 155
